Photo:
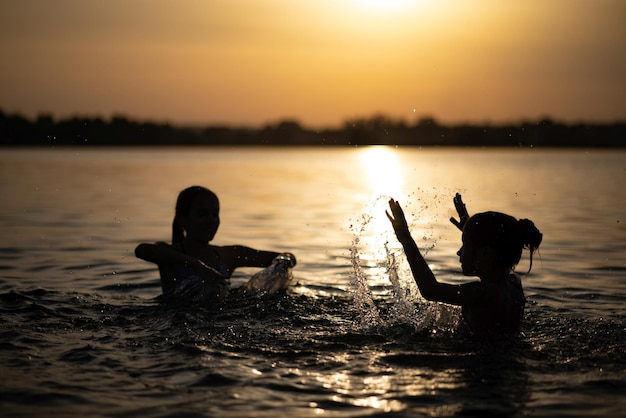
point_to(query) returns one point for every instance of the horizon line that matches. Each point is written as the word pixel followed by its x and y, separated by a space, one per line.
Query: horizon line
pixel 423 118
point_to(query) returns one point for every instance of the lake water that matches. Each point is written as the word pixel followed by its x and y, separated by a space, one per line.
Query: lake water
pixel 82 332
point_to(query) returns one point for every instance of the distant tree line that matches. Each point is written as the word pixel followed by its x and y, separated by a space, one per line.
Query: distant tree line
pixel 16 130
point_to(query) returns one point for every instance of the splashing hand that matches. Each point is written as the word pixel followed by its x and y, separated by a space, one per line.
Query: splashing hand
pixel 398 221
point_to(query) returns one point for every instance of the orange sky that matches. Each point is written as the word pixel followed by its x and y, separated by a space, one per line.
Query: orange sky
pixel 249 62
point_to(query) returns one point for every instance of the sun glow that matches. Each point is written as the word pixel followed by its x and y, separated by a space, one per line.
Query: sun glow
pixel 382 171
pixel 385 5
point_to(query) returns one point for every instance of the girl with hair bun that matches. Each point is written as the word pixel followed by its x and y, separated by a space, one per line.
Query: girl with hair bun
pixel 492 247
pixel 193 269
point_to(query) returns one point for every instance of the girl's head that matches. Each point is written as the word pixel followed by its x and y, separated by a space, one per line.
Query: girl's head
pixel 197 214
pixel 502 237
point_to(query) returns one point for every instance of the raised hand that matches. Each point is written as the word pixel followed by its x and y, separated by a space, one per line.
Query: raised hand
pixel 398 221
pixel 461 210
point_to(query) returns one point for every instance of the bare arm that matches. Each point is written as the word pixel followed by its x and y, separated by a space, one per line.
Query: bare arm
pixel 428 285
pixel 242 256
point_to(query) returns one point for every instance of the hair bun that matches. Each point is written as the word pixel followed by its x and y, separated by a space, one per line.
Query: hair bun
pixel 529 235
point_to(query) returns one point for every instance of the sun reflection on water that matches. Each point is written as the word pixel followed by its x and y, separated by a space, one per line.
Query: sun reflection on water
pixel 382 171
pixel 375 390
pixel 382 175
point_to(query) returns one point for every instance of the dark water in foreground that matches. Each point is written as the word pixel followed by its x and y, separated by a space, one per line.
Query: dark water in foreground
pixel 83 332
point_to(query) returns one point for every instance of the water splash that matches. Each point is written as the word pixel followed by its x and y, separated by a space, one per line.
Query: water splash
pixel 363 300
pixel 405 307
pixel 371 236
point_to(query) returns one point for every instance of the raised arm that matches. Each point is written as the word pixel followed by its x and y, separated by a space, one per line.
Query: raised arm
pixel 428 285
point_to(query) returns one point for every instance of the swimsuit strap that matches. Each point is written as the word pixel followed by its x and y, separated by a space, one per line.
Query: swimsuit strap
pixel 221 268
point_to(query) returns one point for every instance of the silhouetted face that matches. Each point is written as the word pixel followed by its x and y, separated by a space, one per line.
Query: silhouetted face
pixel 467 256
pixel 203 219
pixel 473 254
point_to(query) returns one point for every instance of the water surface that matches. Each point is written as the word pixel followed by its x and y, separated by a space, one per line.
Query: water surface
pixel 84 333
